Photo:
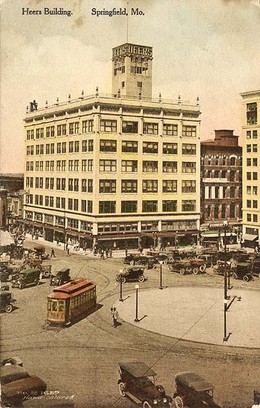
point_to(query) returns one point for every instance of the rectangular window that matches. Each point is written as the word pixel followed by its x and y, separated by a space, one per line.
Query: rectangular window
pixel 251 113
pixel 169 186
pixel 170 148
pixel 70 165
pixel 149 206
pixel 248 148
pixel 129 206
pixel 248 176
pixel 71 147
pixel 87 126
pixel 255 218
pixel 188 167
pixel 129 146
pixel 254 148
pixel 107 165
pixel 108 126
pixel 76 147
pixel 73 128
pixel 129 166
pixel 107 207
pixel 129 127
pixel 63 147
pixel 47 149
pixel 150 128
pixel 170 130
pixel 107 145
pixel 248 162
pixel 254 134
pixel 188 205
pixel 70 187
pixel 150 147
pixel 129 186
pixel 189 186
pixel 169 167
pixel 169 205
pixel 58 148
pixel 150 166
pixel 254 161
pixel 107 186
pixel 254 175
pixel 188 131
pixel 84 146
pixel 63 165
pixel 150 186
pixel 188 148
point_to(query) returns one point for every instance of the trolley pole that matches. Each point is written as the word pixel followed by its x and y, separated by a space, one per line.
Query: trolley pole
pixel 136 302
pixel 226 336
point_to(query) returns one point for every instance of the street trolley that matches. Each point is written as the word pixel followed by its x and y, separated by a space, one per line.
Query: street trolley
pixel 70 302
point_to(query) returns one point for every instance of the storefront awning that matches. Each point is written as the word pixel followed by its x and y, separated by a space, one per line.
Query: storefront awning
pixel 250 237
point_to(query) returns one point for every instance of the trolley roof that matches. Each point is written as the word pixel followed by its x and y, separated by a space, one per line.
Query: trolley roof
pixel 74 287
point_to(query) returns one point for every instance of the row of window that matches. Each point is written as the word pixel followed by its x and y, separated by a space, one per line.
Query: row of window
pixel 252 175
pixel 109 186
pixel 221 161
pixel 251 162
pixel 251 203
pixel 251 148
pixel 109 207
pixel 127 166
pixel 230 175
pixel 109 146
pixel 252 190
pixel 110 126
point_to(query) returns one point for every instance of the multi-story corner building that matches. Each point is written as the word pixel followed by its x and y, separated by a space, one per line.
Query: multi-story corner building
pixel 221 168
pixel 121 169
pixel 251 162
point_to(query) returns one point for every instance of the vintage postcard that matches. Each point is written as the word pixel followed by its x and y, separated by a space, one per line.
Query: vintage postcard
pixel 129 203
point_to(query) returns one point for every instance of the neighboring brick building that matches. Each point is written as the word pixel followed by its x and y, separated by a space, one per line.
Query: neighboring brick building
pixel 221 181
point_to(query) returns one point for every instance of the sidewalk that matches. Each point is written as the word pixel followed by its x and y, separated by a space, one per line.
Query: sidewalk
pixel 195 314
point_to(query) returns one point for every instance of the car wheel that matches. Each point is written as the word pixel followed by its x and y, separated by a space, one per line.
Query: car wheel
pixel 46 274
pixel 182 271
pixel 195 271
pixel 122 389
pixel 21 286
pixel 9 308
pixel 141 278
pixel 188 269
pixel 246 278
pixel 178 402
pixel 234 275
pixel 202 268
pixel 146 404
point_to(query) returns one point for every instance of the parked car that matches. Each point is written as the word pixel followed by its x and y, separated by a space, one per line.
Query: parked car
pixel 182 267
pixel 46 271
pixel 61 277
pixel 136 259
pixel 194 391
pixel 26 277
pixel 256 268
pixel 209 260
pixel 243 270
pixel 17 385
pixel 4 274
pixel 137 381
pixel 220 266
pixel 158 256
pixel 131 273
pixel 6 302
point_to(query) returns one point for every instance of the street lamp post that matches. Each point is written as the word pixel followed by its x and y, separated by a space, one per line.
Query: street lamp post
pixel 121 289
pixel 136 302
pixel 226 336
pixel 161 278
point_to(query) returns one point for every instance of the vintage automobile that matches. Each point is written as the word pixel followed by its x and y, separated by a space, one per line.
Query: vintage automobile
pixel 39 252
pixel 182 267
pixel 193 391
pixel 26 277
pixel 209 260
pixel 243 270
pixel 256 268
pixel 158 256
pixel 136 259
pixel 61 277
pixel 4 274
pixel 46 271
pixel 6 302
pixel 257 397
pixel 137 381
pixel 131 273
pixel 17 385
pixel 219 268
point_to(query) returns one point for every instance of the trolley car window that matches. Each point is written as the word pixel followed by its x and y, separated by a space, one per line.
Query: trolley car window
pixel 49 304
pixel 61 305
pixel 54 306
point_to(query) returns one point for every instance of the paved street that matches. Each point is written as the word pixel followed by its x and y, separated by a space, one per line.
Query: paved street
pixel 82 360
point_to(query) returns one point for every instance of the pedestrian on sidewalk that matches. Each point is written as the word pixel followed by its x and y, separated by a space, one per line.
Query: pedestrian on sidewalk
pixel 53 253
pixel 115 316
pixel 107 252
pixel 67 249
pixel 110 252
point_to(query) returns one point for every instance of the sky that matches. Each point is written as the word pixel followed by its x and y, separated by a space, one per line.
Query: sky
pixel 202 48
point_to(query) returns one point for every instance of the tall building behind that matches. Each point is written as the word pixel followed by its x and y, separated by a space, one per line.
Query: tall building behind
pixel 121 170
pixel 251 162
